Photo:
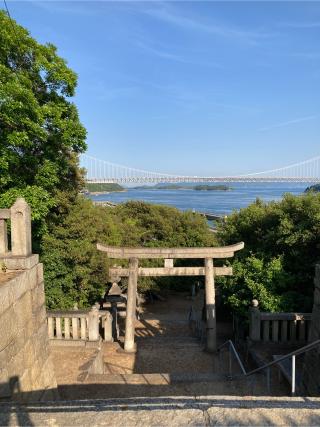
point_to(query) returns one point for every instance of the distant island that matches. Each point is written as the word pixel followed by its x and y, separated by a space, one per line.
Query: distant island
pixel 103 188
pixel 315 188
pixel 219 187
pixel 212 188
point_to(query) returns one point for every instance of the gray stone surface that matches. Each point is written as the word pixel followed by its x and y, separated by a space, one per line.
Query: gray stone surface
pixel 167 411
pixel 19 262
pixel 25 361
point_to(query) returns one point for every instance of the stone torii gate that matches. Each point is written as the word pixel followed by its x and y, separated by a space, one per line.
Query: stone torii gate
pixel 169 254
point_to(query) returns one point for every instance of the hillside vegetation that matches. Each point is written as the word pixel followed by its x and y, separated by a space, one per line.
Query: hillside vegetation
pixel 212 188
pixel 103 188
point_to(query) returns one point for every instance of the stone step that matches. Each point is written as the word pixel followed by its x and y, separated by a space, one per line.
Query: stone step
pixel 154 379
pixel 169 341
pixel 180 410
pixel 163 321
pixel 165 384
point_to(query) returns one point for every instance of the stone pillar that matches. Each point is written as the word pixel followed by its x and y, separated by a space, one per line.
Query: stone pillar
pixel 94 324
pixel 254 321
pixel 21 228
pixel 3 237
pixel 210 306
pixel 129 344
pixel 108 327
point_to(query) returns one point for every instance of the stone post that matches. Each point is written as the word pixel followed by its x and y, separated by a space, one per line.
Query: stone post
pixel 254 321
pixel 21 228
pixel 210 306
pixel 3 237
pixel 168 263
pixel 94 324
pixel 129 344
pixel 108 327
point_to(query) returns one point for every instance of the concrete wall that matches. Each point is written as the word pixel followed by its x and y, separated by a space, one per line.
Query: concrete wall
pixel 26 369
pixel 311 372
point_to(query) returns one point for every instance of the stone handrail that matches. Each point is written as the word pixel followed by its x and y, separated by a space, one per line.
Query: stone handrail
pixel 83 325
pixel 278 327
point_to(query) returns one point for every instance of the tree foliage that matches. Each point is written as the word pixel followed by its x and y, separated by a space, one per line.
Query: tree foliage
pixel 75 272
pixel 40 132
pixel 282 246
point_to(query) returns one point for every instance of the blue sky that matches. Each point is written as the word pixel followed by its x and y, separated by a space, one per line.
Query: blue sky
pixel 199 88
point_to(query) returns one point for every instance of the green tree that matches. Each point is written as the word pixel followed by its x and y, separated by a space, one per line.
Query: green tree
pixel 158 225
pixel 75 272
pixel 40 132
pixel 282 239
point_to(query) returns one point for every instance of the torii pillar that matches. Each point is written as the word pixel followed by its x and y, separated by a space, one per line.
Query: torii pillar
pixel 210 306
pixel 129 344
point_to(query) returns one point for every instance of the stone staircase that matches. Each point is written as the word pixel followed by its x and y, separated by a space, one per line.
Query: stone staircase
pixel 169 381
pixel 168 362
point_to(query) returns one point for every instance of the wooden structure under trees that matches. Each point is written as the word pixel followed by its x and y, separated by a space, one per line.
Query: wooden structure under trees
pixel 169 254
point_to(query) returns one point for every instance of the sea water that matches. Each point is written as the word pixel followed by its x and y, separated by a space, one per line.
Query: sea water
pixel 216 202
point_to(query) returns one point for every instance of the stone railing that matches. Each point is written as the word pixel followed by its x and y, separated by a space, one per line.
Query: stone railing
pixel 20 216
pixel 16 253
pixel 79 325
pixel 278 327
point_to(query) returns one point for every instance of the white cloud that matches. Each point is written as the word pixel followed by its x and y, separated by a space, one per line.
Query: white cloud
pixel 300 25
pixel 173 17
pixel 165 53
pixel 289 122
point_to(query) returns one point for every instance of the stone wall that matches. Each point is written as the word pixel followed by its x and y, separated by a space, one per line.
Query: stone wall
pixel 26 369
pixel 311 372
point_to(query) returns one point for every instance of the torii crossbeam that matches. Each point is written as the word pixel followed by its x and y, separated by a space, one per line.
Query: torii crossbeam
pixel 169 254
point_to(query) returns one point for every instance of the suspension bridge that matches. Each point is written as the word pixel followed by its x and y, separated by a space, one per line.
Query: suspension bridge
pixel 101 171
